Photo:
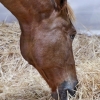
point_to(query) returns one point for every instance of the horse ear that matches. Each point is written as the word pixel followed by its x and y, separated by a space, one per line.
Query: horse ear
pixel 58 4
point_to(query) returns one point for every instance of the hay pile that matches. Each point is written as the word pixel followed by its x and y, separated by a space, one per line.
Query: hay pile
pixel 20 81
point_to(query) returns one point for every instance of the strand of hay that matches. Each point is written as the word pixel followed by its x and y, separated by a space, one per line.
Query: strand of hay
pixel 21 81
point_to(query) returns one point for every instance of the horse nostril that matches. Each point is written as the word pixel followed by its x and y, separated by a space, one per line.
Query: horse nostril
pixel 72 92
pixel 72 88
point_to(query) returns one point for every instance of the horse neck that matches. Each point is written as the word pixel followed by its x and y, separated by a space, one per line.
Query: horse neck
pixel 29 12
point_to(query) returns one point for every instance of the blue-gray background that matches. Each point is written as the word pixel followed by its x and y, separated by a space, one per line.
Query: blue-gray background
pixel 87 14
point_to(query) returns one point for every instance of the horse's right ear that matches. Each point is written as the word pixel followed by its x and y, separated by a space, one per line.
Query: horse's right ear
pixel 58 4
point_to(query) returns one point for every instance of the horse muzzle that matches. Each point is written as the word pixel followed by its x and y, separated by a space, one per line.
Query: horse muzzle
pixel 71 87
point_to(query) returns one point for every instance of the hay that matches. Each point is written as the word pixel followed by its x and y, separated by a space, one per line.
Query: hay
pixel 20 81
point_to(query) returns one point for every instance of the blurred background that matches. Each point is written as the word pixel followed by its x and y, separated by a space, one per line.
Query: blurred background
pixel 87 13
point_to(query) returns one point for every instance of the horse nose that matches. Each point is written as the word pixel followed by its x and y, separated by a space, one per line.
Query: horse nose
pixel 71 87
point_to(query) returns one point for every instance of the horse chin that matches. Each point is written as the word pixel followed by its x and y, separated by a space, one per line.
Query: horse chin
pixel 58 96
pixel 55 95
pixel 62 95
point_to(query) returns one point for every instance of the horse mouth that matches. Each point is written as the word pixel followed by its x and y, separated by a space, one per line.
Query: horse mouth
pixel 63 95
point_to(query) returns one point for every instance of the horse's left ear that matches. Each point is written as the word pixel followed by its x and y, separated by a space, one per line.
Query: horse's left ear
pixel 58 4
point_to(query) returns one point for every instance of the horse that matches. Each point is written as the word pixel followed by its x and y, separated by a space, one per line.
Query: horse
pixel 47 33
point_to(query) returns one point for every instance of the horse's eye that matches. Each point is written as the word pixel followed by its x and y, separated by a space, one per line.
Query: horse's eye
pixel 72 36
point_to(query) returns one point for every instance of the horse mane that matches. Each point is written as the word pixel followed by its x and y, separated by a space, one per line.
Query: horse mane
pixel 68 10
